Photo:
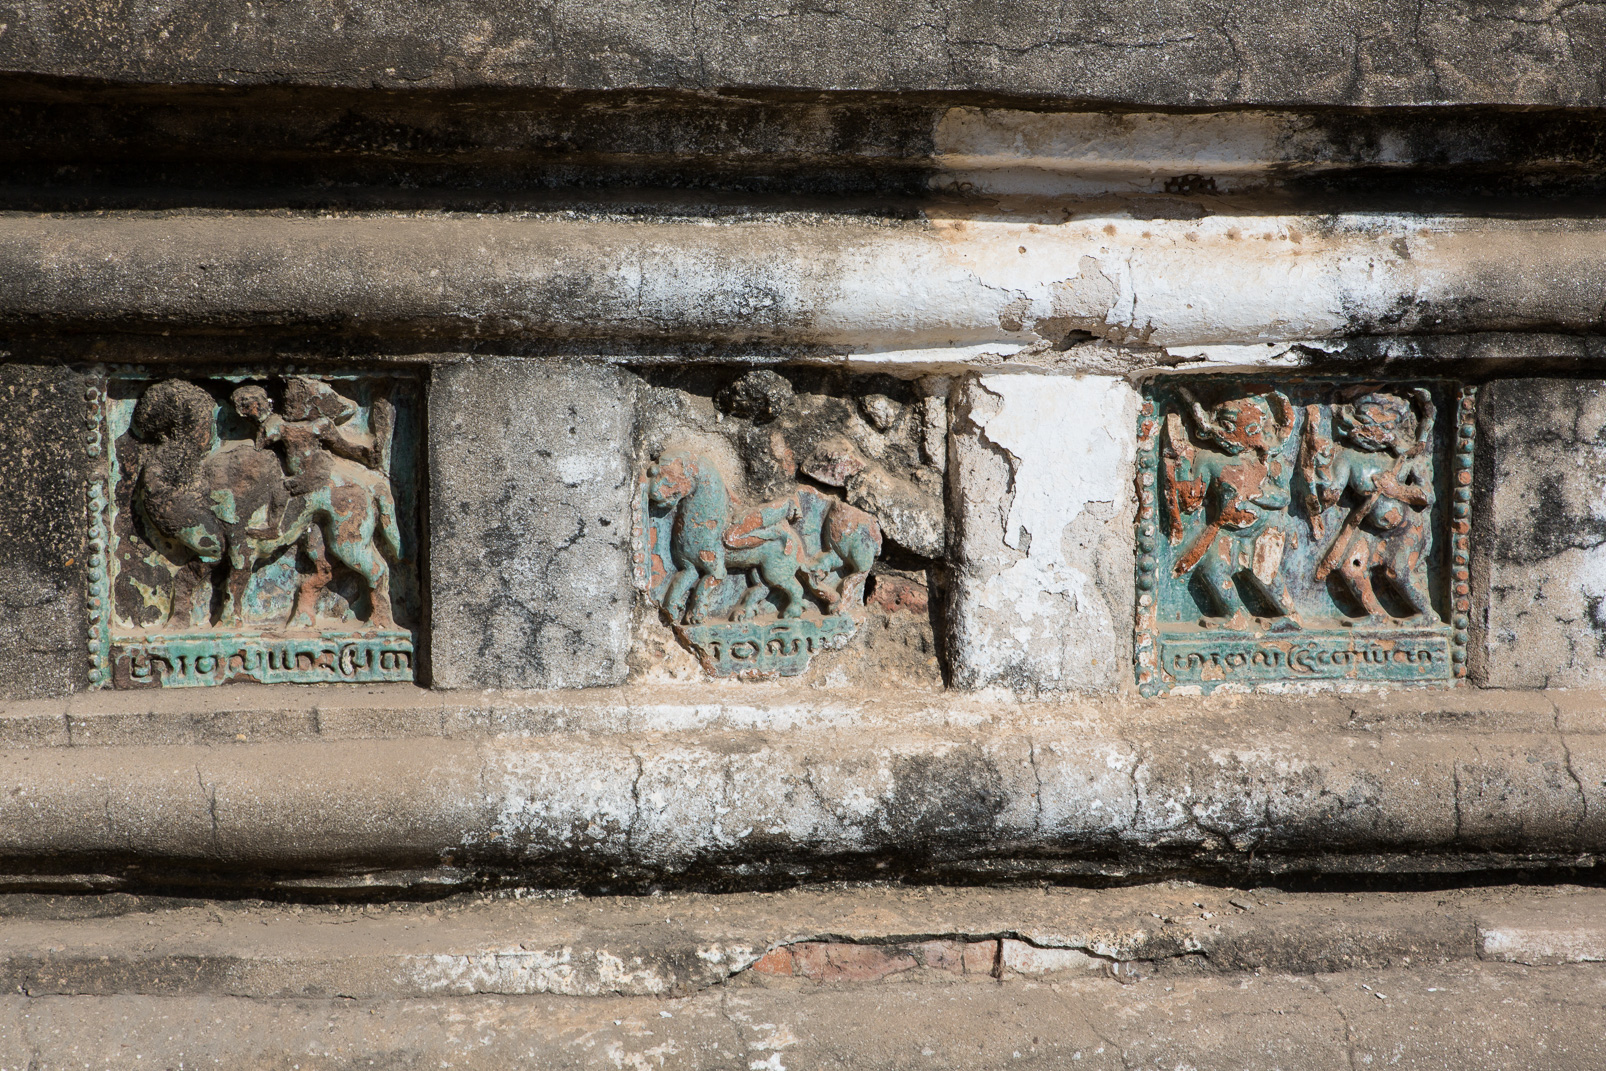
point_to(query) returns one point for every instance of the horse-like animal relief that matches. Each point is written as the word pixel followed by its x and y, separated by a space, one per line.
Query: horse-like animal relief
pixel 805 540
pixel 232 502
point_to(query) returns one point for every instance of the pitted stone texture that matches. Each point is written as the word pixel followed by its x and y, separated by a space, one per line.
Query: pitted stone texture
pixel 530 516
pixel 1042 471
pixel 43 474
pixel 1169 52
pixel 1539 534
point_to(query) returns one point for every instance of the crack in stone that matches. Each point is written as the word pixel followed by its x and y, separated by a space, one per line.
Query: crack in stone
pixel 1567 754
pixel 1343 1017
pixel 635 808
pixel 211 806
pixel 1037 817
pixel 1120 1051
pixel 1455 775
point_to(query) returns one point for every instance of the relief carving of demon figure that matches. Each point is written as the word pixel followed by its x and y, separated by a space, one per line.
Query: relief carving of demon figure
pixel 1292 533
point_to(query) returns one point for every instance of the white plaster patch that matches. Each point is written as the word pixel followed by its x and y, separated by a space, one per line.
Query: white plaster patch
pixel 1040 619
pixel 1564 936
pixel 1022 958
pixel 1001 150
pixel 981 282
pixel 1070 445
pixel 565 971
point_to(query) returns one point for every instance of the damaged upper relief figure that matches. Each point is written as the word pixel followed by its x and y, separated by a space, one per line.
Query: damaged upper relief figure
pixel 767 506
pixel 1296 533
pixel 254 540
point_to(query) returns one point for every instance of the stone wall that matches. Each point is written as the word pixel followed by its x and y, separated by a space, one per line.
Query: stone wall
pixel 1006 411
pixel 735 535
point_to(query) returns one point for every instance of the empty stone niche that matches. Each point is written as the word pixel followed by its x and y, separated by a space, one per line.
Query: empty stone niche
pixel 253 526
pixel 790 523
pixel 1301 531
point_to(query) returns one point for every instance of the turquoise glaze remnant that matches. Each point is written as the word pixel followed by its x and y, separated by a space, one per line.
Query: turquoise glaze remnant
pixel 254 528
pixel 753 591
pixel 1305 530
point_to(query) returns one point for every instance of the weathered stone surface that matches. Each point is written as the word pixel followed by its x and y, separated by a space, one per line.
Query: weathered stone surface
pixel 1178 52
pixel 44 470
pixel 323 148
pixel 1539 534
pixel 1042 474
pixel 1571 931
pixel 865 284
pixel 825 790
pixel 673 944
pixel 530 491
pixel 1466 1016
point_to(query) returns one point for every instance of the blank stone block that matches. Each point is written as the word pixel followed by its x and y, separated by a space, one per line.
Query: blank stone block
pixel 43 470
pixel 1540 534
pixel 530 492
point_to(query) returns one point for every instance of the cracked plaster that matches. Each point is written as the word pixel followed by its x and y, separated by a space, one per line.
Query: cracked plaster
pixel 1043 580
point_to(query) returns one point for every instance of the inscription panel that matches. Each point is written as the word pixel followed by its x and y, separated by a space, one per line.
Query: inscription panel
pixel 1313 529
pixel 785 514
pixel 1382 656
pixel 253 527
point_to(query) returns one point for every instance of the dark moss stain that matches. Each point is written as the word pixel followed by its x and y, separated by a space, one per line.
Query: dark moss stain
pixel 952 799
pixel 476 149
pixel 1557 523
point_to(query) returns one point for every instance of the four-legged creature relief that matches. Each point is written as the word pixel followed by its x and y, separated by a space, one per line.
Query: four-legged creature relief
pixel 243 502
pixel 803 544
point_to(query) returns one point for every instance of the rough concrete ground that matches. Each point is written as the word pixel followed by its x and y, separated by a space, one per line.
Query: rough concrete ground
pixel 1165 976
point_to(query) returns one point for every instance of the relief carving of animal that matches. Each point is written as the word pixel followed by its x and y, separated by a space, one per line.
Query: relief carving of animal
pixel 224 502
pixel 801 540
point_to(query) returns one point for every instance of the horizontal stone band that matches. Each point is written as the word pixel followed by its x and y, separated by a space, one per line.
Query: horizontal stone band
pixel 1061 796
pixel 847 282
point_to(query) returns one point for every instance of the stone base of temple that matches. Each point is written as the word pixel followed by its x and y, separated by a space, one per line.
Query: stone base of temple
pixel 1169 975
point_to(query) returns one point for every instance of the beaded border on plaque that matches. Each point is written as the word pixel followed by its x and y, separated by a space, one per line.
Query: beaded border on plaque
pixel 99 604
pixel 323 656
pixel 1148 532
pixel 1466 438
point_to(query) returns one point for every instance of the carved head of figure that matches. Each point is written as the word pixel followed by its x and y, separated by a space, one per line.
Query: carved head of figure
pixel 252 403
pixel 1377 422
pixel 310 399
pixel 670 479
pixel 1239 424
pixel 178 418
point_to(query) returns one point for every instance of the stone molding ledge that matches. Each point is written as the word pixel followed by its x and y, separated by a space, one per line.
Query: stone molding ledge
pixel 961 281
pixel 578 947
pixel 597 792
